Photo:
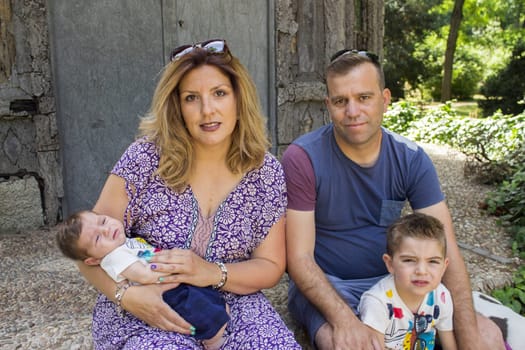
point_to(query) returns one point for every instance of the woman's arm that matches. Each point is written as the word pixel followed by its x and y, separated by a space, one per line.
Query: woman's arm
pixel 145 302
pixel 112 201
pixel 263 270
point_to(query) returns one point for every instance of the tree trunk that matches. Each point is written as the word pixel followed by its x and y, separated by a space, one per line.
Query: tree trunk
pixel 308 33
pixel 7 41
pixel 455 22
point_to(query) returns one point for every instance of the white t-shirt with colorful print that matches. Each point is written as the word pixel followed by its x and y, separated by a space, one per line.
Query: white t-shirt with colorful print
pixel 382 309
pixel 133 250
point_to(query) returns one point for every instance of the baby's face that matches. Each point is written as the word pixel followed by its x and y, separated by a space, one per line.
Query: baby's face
pixel 100 234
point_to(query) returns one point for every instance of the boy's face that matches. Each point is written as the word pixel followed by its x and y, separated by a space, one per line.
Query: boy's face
pixel 100 235
pixel 417 266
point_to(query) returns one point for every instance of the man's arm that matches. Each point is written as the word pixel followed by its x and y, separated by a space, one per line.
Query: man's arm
pixel 456 279
pixel 346 330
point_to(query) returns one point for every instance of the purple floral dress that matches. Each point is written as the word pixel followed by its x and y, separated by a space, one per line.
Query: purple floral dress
pixel 167 219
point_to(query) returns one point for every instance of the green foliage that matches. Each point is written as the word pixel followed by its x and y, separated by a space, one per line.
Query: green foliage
pixel 514 296
pixel 505 91
pixel 400 116
pixel 438 125
pixel 407 22
pixel 508 203
pixel 466 75
pixel 498 144
pixel 415 40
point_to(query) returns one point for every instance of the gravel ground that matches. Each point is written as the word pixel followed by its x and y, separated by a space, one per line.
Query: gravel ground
pixel 46 304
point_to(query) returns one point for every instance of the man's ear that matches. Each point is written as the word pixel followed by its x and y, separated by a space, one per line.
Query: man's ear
pixel 388 262
pixel 91 261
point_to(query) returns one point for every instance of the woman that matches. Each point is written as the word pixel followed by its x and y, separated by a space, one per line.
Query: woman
pixel 199 184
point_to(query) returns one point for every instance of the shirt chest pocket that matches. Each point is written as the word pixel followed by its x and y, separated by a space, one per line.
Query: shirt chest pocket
pixel 390 211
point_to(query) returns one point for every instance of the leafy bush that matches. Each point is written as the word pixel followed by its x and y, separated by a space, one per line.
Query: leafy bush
pixel 400 116
pixel 514 296
pixel 467 72
pixel 508 204
pixel 505 91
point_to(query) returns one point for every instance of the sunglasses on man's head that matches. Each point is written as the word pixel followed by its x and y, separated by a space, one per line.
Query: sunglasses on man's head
pixel 214 46
pixel 345 52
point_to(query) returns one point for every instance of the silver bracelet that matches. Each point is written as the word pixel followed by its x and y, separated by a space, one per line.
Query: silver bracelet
pixel 224 275
pixel 119 293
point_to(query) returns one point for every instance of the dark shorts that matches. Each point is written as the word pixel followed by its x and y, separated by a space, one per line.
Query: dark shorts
pixel 307 315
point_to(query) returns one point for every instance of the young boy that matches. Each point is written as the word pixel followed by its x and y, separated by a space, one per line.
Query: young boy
pixel 101 240
pixel 409 305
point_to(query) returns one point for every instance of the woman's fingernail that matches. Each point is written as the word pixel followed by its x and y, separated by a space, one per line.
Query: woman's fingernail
pixel 161 279
pixel 147 258
pixel 153 266
pixel 192 330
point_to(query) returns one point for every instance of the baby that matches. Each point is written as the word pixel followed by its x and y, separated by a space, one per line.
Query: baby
pixel 410 304
pixel 101 240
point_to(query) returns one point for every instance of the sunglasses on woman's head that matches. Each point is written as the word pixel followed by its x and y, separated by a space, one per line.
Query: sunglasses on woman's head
pixel 213 47
pixel 345 52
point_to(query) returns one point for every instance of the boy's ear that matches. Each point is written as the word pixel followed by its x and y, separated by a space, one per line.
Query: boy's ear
pixel 91 261
pixel 446 261
pixel 388 263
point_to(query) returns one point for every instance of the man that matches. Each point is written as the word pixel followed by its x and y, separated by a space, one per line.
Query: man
pixel 347 182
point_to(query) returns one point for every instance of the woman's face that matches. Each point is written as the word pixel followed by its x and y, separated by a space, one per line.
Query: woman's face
pixel 209 107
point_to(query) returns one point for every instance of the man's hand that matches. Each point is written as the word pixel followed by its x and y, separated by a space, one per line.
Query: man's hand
pixel 358 337
pixel 349 334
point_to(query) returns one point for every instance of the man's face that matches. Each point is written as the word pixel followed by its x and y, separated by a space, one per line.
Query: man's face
pixel 356 104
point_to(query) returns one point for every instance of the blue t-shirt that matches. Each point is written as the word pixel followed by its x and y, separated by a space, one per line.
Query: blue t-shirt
pixel 355 205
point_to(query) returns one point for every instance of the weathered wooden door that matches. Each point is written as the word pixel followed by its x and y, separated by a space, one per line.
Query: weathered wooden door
pixel 106 59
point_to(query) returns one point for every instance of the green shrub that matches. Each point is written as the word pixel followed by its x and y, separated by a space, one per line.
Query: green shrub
pixel 505 91
pixel 514 296
pixel 400 116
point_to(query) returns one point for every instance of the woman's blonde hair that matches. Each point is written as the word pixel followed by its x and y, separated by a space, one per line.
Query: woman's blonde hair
pixel 164 124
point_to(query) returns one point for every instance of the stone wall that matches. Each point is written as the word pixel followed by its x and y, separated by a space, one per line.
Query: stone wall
pixel 30 175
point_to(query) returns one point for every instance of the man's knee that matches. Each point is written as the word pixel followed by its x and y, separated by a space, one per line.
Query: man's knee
pixel 490 333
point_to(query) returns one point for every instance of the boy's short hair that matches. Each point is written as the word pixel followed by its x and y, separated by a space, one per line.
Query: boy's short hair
pixel 68 235
pixel 416 225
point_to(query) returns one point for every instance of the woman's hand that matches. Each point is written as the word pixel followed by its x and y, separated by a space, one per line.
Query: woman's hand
pixel 185 267
pixel 145 302
pixel 262 270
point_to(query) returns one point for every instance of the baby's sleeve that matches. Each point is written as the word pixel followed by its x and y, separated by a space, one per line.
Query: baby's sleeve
pixel 117 261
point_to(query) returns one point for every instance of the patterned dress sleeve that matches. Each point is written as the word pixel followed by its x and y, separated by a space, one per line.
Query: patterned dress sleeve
pixel 272 194
pixel 137 165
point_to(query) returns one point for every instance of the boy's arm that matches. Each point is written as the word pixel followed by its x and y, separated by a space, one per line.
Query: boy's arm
pixel 140 273
pixel 448 342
